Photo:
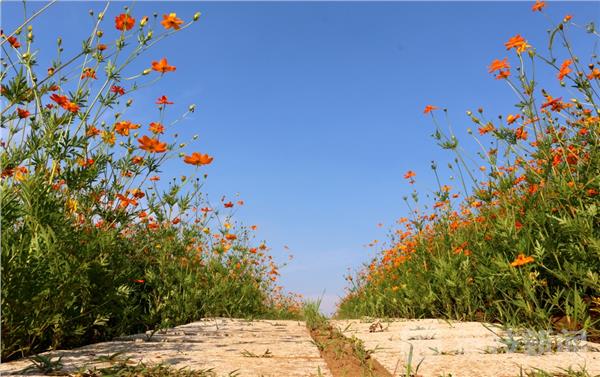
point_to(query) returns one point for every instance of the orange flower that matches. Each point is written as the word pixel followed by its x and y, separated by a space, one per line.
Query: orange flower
pixel 567 18
pixel 154 178
pixel 409 174
pixel 538 6
pixel 157 128
pixel 88 72
pixel 595 74
pixel 60 100
pixel 171 21
pixel 137 160
pixel 517 42
pixel 510 119
pixel 498 65
pixel 101 47
pixel 152 145
pixel 521 260
pixel 162 66
pixel 92 131
pixel 228 205
pixel 124 22
pixel 485 129
pixel 198 159
pixel 429 108
pixel 122 128
pixel 521 134
pixel 71 106
pixel 13 41
pixel 503 75
pixel 565 69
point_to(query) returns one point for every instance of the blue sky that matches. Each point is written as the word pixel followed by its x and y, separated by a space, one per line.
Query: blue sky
pixel 313 111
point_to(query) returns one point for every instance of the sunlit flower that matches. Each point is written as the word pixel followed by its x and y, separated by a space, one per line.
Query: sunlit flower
pixel 410 174
pixel 510 119
pixel 109 137
pixel 521 260
pixel 152 145
pixel 565 69
pixel 228 205
pixel 124 22
pixel 88 73
pixel 498 65
pixel 171 21
pixel 538 6
pixel 123 127
pixel 594 74
pixel 157 128
pixel 117 90
pixel 429 108
pixel 198 159
pixel 517 42
pixel 163 100
pixel 162 66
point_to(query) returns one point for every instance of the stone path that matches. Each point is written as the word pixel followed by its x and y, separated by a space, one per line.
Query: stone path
pixel 462 349
pixel 284 348
pixel 248 348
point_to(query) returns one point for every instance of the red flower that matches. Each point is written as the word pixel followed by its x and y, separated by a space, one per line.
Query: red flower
pixel 163 101
pixel 409 174
pixel 22 113
pixel 228 205
pixel 117 90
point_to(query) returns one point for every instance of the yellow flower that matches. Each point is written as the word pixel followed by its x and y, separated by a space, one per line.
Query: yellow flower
pixel 109 137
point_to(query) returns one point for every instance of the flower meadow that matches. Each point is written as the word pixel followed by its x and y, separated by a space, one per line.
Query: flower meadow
pixel 95 243
pixel 522 245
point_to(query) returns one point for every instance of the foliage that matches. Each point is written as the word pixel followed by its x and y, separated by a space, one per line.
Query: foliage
pixel 523 247
pixel 93 245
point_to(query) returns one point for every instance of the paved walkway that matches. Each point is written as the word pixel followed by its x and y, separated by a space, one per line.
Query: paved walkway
pixel 248 348
pixel 462 349
pixel 284 348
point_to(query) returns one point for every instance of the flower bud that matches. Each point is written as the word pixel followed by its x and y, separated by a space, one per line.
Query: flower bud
pixel 469 113
pixel 144 21
pixel 197 16
pixel 121 143
pixel 99 33
pixel 181 145
pixel 91 12
pixel 192 108
pixel 531 53
pixel 129 102
pixel 30 36
pixel 181 154
pixel 100 15
pixel 195 137
pixel 146 71
pixel 29 28
pixel 59 41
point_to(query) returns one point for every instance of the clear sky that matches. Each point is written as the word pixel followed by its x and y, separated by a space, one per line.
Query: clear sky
pixel 313 111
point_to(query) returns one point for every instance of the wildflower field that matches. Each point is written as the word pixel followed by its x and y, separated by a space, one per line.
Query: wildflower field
pixel 101 237
pixel 92 245
pixel 515 238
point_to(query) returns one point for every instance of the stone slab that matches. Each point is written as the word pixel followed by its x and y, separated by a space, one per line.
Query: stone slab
pixel 248 348
pixel 462 349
